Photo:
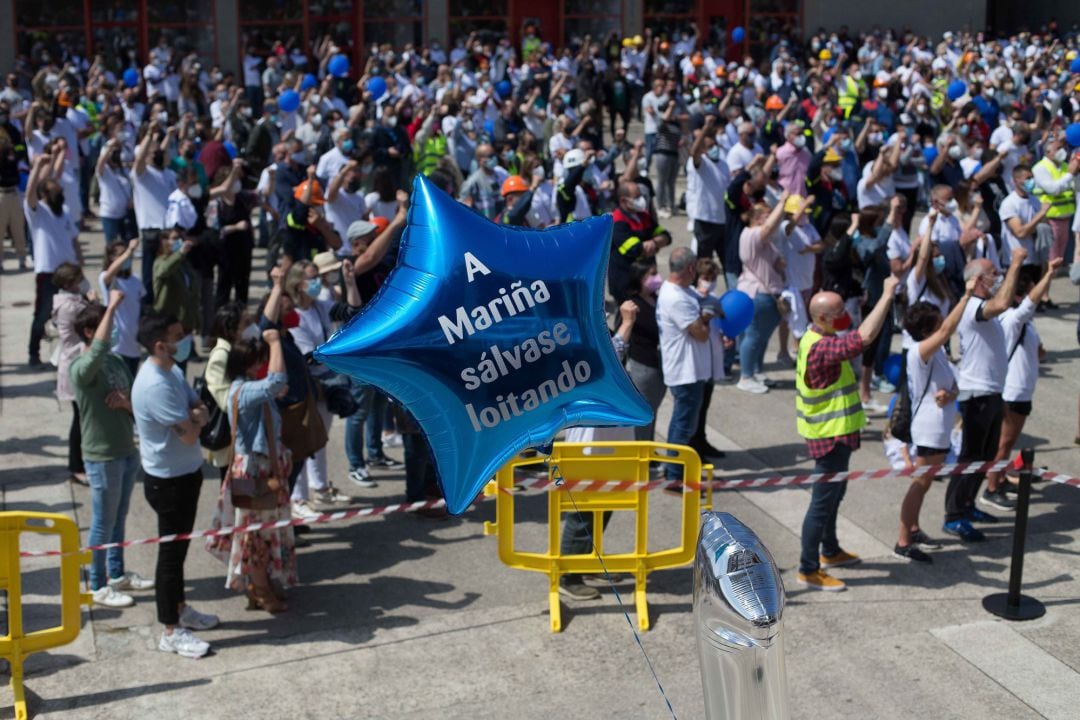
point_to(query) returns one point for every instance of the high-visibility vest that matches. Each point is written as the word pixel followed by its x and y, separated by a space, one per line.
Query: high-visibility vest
pixel 1063 204
pixel 832 411
pixel 427 155
pixel 849 96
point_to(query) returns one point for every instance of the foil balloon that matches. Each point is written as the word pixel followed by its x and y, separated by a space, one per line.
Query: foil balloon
pixel 493 337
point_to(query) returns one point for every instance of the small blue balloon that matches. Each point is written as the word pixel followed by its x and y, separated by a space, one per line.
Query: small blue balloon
pixel 309 82
pixel 738 34
pixel 1074 66
pixel 230 148
pixel 377 87
pixel 489 128
pixel 131 77
pixel 930 154
pixel 504 88
pixel 289 101
pixel 493 337
pixel 1072 135
pixel 892 368
pixel 738 313
pixel 338 66
pixel 957 89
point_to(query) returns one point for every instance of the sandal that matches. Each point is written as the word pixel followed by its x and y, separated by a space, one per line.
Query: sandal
pixel 264 599
pixel 80 479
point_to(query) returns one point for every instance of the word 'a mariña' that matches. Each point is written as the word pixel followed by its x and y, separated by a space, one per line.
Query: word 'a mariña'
pixel 509 302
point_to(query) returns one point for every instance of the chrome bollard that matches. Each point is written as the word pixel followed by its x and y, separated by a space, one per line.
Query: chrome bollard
pixel 739 613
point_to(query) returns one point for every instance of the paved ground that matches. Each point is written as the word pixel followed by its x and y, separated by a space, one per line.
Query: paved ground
pixel 407 618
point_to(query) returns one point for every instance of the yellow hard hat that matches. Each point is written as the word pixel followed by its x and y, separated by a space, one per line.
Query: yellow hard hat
pixel 1071 55
pixel 825 54
pixel 627 42
pixel 792 204
pixel 638 40
pixel 831 156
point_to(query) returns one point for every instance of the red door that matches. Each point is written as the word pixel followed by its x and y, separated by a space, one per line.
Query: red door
pixel 545 15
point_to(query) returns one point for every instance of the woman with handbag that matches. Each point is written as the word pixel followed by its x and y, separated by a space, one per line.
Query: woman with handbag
pixel 232 322
pixel 262 563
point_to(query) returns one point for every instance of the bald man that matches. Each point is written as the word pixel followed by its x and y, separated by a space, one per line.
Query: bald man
pixel 830 417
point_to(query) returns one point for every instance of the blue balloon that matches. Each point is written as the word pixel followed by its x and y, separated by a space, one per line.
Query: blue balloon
pixel 1074 66
pixel 738 313
pixel 930 154
pixel 957 89
pixel 288 101
pixel 230 148
pixel 504 88
pixel 131 77
pixel 489 128
pixel 338 66
pixel 309 82
pixel 738 34
pixel 493 337
pixel 892 368
pixel 377 87
pixel 1072 135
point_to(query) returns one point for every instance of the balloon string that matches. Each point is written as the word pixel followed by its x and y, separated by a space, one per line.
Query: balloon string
pixel 558 478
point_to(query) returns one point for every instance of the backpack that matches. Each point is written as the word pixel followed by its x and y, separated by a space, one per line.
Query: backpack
pixel 902 414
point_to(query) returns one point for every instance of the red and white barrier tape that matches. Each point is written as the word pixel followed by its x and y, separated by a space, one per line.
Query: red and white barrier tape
pixel 549 485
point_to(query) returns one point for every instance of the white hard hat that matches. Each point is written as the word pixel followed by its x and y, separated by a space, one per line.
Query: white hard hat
pixel 573 158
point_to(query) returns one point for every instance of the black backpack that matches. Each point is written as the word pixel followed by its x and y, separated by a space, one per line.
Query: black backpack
pixel 900 420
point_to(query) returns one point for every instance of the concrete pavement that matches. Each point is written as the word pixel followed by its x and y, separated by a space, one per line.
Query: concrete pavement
pixel 406 618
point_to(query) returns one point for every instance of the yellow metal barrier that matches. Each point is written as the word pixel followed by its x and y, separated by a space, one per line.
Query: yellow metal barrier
pixel 16 645
pixel 602 461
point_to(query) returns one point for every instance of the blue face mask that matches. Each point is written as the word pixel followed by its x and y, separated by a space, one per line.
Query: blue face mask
pixel 856 237
pixel 845 144
pixel 347 146
pixel 183 349
pixel 713 153
pixel 939 264
pixel 314 287
pixel 566 98
pixel 491 162
pixel 176 245
pixel 1029 186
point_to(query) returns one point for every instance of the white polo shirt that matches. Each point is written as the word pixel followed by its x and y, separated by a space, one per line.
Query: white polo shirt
pixel 151 193
pixel 53 237
pixel 983 353
pixel 1023 209
pixel 684 360
pixel 705 189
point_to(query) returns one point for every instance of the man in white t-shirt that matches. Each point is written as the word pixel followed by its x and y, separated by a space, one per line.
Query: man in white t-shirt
pixel 55 240
pixel 707 178
pixel 1021 214
pixel 946 233
pixel 345 201
pixel 983 367
pixel 745 150
pixel 684 348
pixel 151 185
pixel 651 104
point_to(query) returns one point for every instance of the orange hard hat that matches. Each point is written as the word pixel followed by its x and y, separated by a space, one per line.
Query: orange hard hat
pixel 697 59
pixel 316 192
pixel 664 46
pixel 380 223
pixel 721 71
pixel 774 103
pixel 513 184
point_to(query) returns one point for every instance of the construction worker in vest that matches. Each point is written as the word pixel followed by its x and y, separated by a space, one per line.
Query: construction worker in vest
pixel 1054 179
pixel 851 87
pixel 429 145
pixel 635 238
pixel 830 417
pixel 517 201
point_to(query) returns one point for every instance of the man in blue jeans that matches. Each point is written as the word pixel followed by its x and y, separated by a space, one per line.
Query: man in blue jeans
pixel 830 416
pixel 685 355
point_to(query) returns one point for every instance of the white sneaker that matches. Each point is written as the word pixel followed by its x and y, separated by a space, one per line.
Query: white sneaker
pixel 192 619
pixel 767 382
pixel 663 213
pixel 131 581
pixel 183 643
pixel 331 496
pixel 751 385
pixel 110 597
pixel 361 477
pixel 392 440
pixel 873 406
pixel 302 511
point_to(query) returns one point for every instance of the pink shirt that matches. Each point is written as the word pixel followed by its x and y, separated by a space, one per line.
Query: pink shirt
pixel 793 164
pixel 759 265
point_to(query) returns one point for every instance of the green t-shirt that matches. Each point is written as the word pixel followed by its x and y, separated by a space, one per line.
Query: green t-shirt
pixel 106 433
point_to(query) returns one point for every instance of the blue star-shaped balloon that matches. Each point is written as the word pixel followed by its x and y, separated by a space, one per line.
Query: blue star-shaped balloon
pixel 494 337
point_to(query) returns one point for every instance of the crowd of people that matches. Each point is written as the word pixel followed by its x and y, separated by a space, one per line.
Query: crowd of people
pixel 804 171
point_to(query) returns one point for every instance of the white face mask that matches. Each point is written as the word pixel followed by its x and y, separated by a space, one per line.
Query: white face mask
pixel 639 204
pixel 316 120
pixel 952 207
pixel 195 191
pixel 799 141
pixel 1060 155
pixel 883 93
pixel 235 186
pixel 251 332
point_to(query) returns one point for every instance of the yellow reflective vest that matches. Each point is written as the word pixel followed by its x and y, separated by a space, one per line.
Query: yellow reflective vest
pixel 1063 204
pixel 832 411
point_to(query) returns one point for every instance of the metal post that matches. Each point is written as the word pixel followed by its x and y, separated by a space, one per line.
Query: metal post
pixel 1013 605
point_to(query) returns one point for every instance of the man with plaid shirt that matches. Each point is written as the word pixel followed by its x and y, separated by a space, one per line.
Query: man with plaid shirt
pixel 830 417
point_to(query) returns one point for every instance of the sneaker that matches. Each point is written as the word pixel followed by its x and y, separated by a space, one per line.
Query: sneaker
pixel 577 590
pixel 820 580
pixel 302 511
pixel 998 500
pixel 709 453
pixel 924 541
pixel 751 385
pixel 392 440
pixel 977 515
pixel 840 559
pixel 331 496
pixel 382 461
pixel 785 360
pixel 111 597
pixel 131 581
pixel 663 213
pixel 963 530
pixel 192 619
pixel 183 643
pixel 882 385
pixel 432 513
pixel 362 478
pixel 911 553
pixel 873 406
pixel 764 380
